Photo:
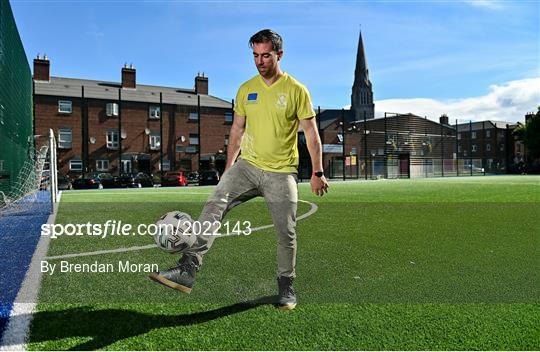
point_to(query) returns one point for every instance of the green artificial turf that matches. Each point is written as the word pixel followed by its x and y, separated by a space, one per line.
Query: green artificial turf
pixel 446 263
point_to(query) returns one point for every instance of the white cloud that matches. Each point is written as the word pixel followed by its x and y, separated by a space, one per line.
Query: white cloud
pixel 506 102
pixel 488 4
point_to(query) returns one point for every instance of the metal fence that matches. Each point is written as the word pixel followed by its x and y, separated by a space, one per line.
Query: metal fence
pixel 16 111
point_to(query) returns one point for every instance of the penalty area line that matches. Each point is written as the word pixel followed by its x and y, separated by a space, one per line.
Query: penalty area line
pixel 313 209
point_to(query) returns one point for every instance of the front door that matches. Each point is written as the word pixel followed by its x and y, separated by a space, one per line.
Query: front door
pixel 126 166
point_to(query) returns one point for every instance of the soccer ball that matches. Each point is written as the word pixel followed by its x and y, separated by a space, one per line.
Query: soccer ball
pixel 174 232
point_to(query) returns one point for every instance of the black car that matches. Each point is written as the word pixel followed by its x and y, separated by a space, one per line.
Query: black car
pixel 96 180
pixel 193 177
pixel 136 180
pixel 209 177
pixel 64 182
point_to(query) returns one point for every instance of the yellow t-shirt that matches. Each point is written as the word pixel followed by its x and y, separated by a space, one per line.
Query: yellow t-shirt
pixel 272 117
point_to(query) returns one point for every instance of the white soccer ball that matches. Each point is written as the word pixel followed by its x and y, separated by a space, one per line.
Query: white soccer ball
pixel 174 232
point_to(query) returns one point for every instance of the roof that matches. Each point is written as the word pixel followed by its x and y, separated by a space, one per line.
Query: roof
pixel 478 125
pixel 71 87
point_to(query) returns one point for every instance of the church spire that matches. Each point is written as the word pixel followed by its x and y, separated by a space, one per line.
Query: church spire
pixel 362 92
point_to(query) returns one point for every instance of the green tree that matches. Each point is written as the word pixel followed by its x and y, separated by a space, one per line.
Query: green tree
pixel 530 135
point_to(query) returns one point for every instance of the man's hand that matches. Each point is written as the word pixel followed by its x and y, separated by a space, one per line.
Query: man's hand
pixel 319 185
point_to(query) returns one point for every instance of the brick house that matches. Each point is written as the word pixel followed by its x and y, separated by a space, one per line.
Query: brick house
pixel 128 127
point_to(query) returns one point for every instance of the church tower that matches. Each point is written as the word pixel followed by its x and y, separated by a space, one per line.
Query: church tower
pixel 362 92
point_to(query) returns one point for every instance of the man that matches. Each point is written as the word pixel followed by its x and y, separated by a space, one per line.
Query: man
pixel 268 110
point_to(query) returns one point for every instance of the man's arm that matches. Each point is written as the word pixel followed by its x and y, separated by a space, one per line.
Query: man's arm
pixel 319 185
pixel 235 139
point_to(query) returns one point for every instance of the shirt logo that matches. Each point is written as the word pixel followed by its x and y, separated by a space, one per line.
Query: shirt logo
pixel 281 101
pixel 252 98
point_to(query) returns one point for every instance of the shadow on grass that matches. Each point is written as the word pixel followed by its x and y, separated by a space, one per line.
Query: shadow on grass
pixel 107 326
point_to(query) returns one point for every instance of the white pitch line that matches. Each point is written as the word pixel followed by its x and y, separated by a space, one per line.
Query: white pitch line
pixel 311 211
pixel 15 336
pixel 99 193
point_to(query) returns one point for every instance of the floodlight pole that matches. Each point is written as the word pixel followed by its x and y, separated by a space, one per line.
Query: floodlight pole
pixel 161 134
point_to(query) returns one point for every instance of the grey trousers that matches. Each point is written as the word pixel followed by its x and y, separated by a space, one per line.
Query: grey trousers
pixel 242 182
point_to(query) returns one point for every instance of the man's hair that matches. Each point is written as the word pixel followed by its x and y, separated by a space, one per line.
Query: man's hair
pixel 265 36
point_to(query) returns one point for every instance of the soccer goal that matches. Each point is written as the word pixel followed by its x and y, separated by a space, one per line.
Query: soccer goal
pixel 35 181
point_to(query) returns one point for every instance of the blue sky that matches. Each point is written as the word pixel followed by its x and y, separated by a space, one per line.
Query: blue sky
pixel 465 58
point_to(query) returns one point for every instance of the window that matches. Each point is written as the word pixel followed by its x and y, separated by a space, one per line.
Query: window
pixel 155 141
pixel 464 153
pixel 228 116
pixel 112 109
pixel 488 147
pixel 193 139
pixel 488 133
pixel 340 137
pixel 102 165
pixel 473 134
pixel 75 165
pixel 112 139
pixel 155 112
pixel 64 138
pixel 191 150
pixel 459 149
pixel 64 106
pixel 166 165
pixel 193 116
pixel 459 136
pixel 226 139
pixel 474 147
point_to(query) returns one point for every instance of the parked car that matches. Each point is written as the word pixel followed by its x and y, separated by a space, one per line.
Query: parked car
pixel 87 182
pixel 174 178
pixel 136 180
pixel 209 177
pixel 64 182
pixel 193 177
pixel 96 180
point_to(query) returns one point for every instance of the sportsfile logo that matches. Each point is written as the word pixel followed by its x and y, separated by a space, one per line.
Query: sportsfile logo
pixel 119 228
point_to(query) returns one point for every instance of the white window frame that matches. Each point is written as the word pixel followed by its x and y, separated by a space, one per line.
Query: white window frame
pixel 473 135
pixel 63 143
pixel 111 143
pixel 193 140
pixel 340 137
pixel 459 149
pixel 102 165
pixel 65 106
pixel 166 165
pixel 154 112
pixel 488 133
pixel 488 147
pixel 77 162
pixel 473 148
pixel 154 141
pixel 193 116
pixel 111 109
pixel 459 136
pixel 229 117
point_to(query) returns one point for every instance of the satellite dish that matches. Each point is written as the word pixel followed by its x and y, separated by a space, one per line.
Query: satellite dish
pixel 147 131
pixel 182 138
pixel 92 140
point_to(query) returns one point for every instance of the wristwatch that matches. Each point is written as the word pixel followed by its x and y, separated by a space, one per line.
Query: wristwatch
pixel 318 173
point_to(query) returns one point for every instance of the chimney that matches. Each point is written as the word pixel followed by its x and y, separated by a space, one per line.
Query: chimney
pixel 528 116
pixel 128 76
pixel 201 84
pixel 443 119
pixel 42 69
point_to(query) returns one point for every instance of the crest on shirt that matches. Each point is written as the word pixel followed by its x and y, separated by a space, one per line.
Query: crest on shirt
pixel 252 98
pixel 281 102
